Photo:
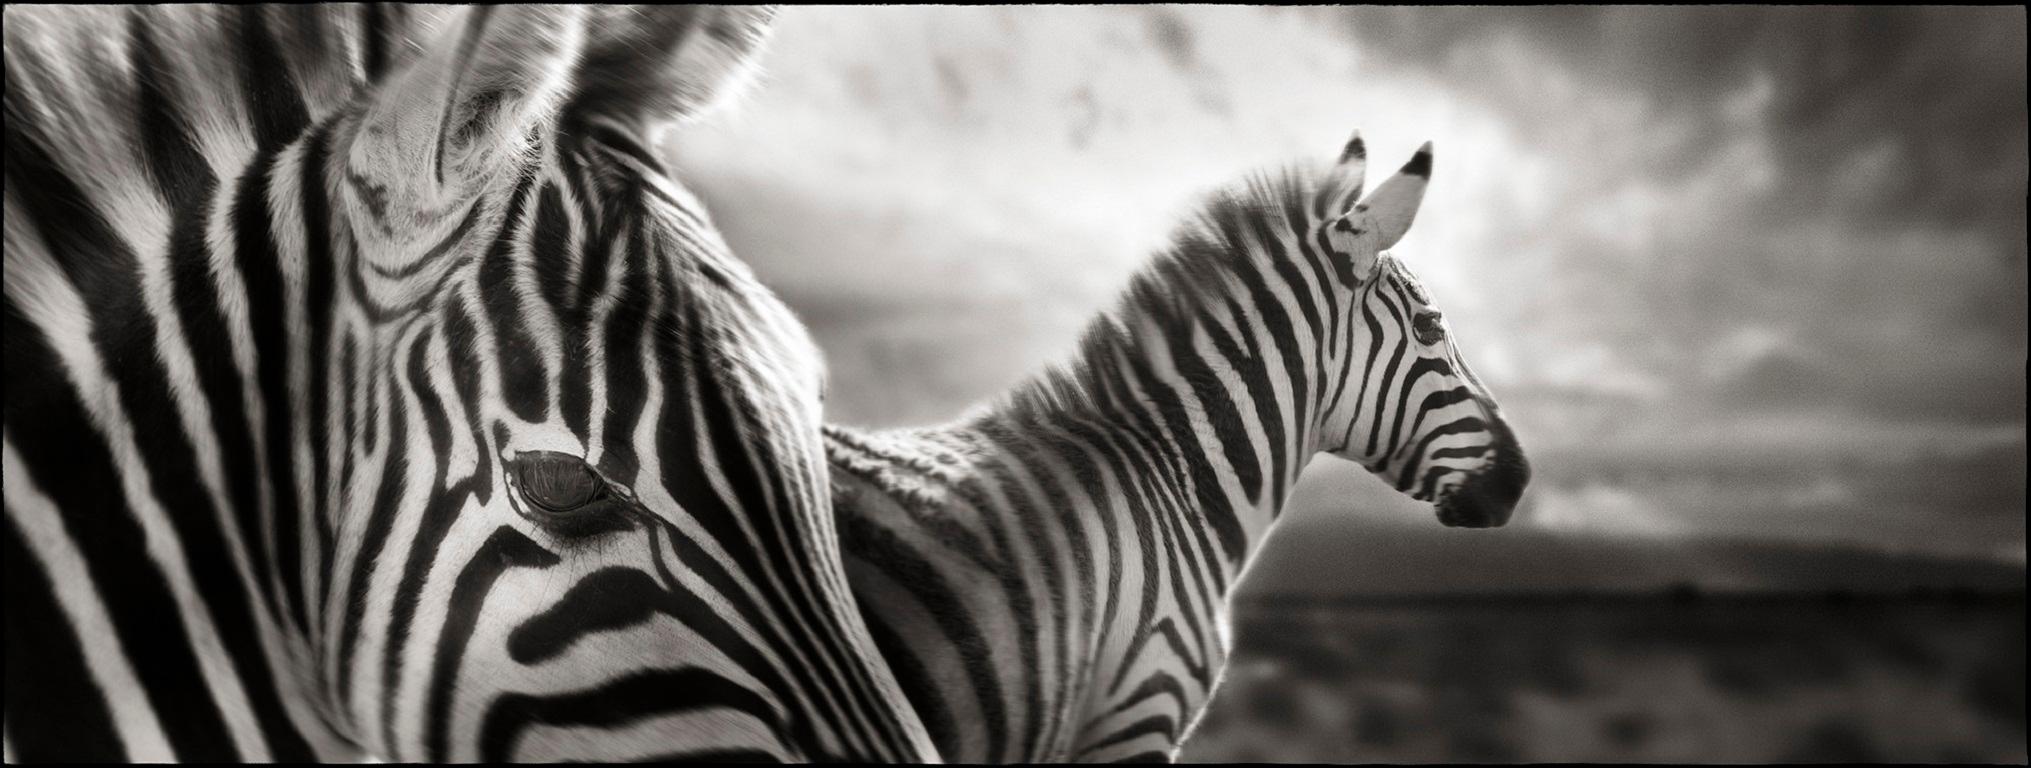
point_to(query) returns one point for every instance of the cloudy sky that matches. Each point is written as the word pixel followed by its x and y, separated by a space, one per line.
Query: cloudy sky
pixel 1733 272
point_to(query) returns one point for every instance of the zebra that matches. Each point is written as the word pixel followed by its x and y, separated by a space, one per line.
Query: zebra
pixel 1049 575
pixel 373 391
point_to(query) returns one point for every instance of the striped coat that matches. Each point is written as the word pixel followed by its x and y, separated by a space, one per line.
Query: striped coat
pixel 1050 577
pixel 372 390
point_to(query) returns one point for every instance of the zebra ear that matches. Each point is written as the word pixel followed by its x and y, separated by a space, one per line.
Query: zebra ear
pixel 1390 210
pixel 459 117
pixel 1343 187
pixel 655 64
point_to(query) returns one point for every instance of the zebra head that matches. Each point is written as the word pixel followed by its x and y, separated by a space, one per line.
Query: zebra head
pixel 1408 407
pixel 595 522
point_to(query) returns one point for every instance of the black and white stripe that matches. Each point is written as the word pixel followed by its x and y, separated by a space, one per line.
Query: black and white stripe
pixel 372 390
pixel 1049 578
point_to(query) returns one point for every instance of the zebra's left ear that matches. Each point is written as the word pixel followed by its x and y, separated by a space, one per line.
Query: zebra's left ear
pixel 458 119
pixel 1389 211
pixel 1343 185
pixel 651 64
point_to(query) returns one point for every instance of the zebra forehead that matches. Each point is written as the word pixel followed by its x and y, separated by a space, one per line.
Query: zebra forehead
pixel 1401 276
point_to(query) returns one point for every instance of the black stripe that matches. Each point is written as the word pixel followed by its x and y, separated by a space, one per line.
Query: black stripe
pixel 195 295
pixel 182 177
pixel 1277 325
pixel 461 340
pixel 170 456
pixel 1161 684
pixel 1433 401
pixel 1460 426
pixel 1183 448
pixel 381 518
pixel 1154 724
pixel 1375 341
pixel 319 307
pixel 626 381
pixel 947 607
pixel 1073 526
pixel 1015 585
pixel 1238 450
pixel 349 415
pixel 677 442
pixel 367 385
pixel 1167 502
pixel 1088 474
pixel 606 137
pixel 1020 508
pixel 260 270
pixel 382 22
pixel 618 598
pixel 695 561
pixel 438 514
pixel 1254 372
pixel 96 517
pixel 549 248
pixel 615 705
pixel 1300 287
pixel 926 695
pixel 1386 395
pixel 524 377
pixel 756 476
pixel 575 369
pixel 256 263
pixel 506 548
pixel 1212 503
pixel 274 104
pixel 710 757
pixel 1138 482
pixel 67 446
pixel 56 711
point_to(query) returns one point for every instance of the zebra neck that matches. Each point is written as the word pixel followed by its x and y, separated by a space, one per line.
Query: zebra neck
pixel 1210 373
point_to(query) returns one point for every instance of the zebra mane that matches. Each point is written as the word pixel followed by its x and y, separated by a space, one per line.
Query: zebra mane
pixel 101 84
pixel 1192 275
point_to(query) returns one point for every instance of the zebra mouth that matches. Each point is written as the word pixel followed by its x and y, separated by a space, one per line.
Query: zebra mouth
pixel 1487 499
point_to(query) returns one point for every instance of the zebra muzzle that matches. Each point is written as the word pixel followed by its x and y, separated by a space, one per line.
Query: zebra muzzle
pixel 1487 499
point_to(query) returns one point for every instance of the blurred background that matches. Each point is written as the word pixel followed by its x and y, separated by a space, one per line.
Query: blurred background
pixel 1749 282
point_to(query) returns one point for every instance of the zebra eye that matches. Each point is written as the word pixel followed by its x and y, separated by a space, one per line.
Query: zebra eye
pixel 557 482
pixel 563 494
pixel 1428 329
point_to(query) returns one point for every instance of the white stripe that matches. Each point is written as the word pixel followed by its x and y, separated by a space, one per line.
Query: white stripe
pixel 52 305
pixel 36 517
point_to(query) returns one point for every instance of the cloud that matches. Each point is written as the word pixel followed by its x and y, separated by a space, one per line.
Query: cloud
pixel 1745 271
pixel 1920 109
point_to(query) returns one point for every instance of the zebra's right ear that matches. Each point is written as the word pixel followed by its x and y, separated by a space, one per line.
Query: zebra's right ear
pixel 459 117
pixel 1389 212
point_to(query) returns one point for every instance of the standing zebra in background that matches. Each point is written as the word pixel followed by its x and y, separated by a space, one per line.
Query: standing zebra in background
pixel 1049 578
pixel 373 391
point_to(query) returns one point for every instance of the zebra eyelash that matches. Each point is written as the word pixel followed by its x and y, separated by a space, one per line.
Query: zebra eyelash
pixel 565 495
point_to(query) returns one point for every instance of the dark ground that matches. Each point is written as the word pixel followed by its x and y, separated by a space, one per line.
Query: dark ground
pixel 1926 676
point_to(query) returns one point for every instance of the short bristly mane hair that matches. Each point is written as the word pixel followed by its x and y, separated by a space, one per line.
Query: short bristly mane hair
pixel 1194 274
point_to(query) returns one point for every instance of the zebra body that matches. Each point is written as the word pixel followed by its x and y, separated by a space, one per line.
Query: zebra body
pixel 373 391
pixel 1049 577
